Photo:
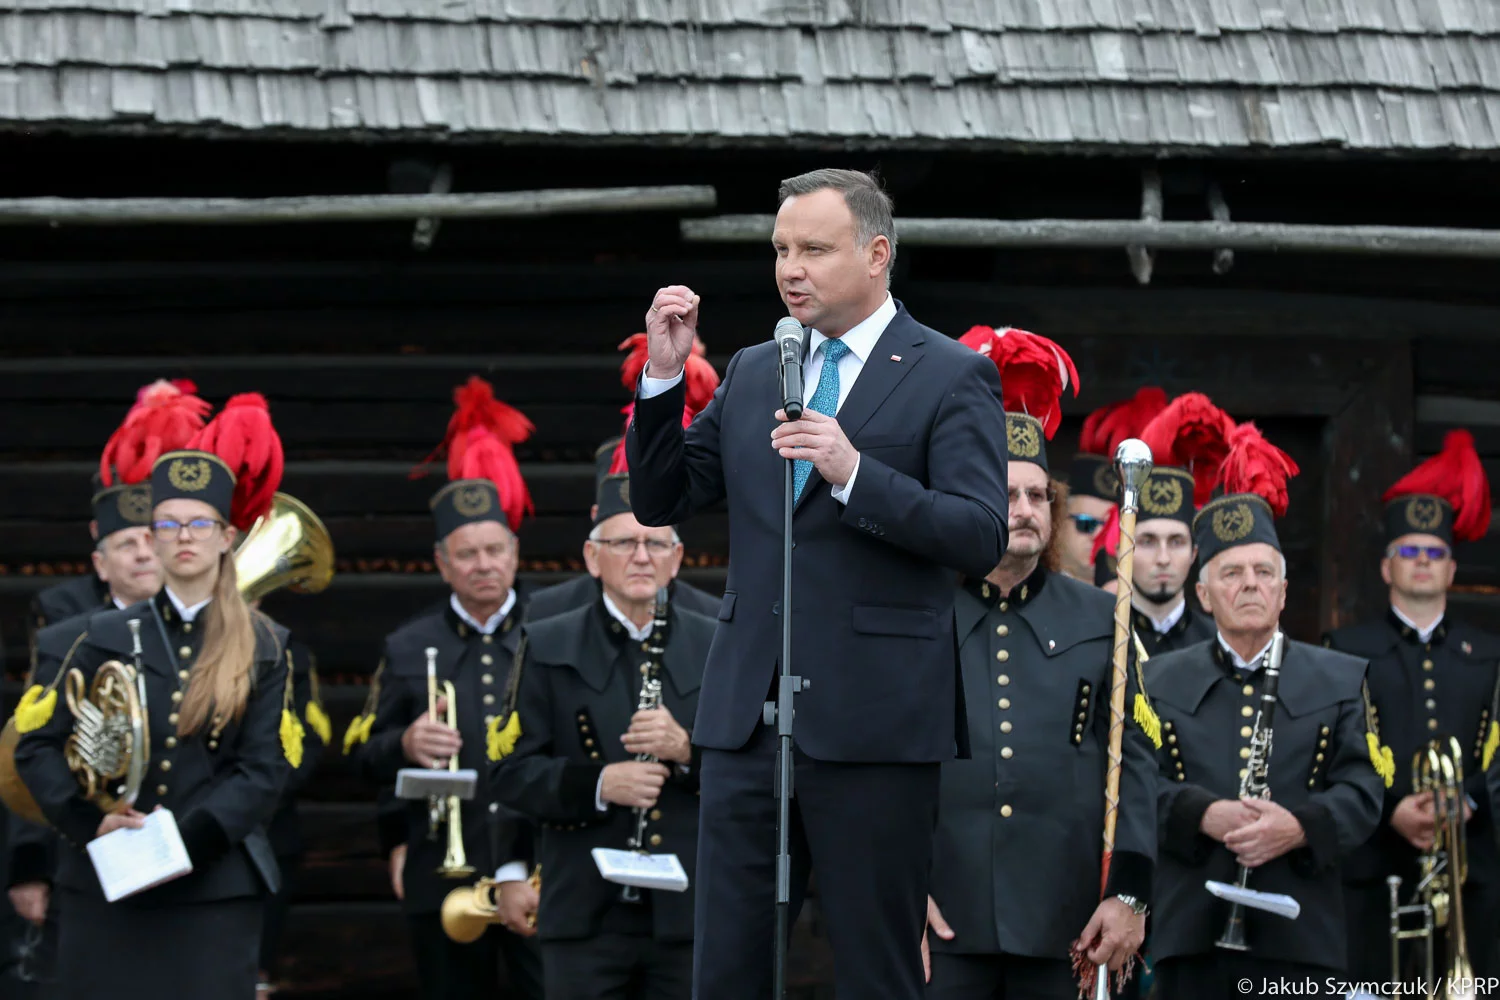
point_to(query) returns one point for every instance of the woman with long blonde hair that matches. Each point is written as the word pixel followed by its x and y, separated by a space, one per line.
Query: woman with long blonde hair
pixel 216 684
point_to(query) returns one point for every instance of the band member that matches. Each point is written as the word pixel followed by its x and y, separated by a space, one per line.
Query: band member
pixel 1430 677
pixel 1024 818
pixel 899 481
pixel 164 418
pixel 605 756
pixel 1323 787
pixel 475 635
pixel 1093 487
pixel 216 689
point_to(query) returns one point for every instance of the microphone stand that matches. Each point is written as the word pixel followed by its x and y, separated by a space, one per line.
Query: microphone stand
pixel 779 713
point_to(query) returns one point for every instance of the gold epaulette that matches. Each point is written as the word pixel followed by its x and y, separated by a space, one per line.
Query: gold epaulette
pixel 500 741
pixel 360 726
pixel 1145 716
pixel 38 703
pixel 292 732
pixel 1381 757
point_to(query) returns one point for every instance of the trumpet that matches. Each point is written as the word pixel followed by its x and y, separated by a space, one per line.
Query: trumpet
pixel 449 810
pixel 650 699
pixel 1442 869
pixel 1256 783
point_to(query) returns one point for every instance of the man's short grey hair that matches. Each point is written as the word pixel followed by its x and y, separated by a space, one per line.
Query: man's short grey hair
pixel 868 203
pixel 595 535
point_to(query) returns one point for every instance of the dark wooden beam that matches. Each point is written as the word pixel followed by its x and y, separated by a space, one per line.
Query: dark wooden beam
pixel 1368 445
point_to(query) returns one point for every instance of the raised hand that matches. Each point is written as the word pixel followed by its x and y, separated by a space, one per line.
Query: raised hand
pixel 671 326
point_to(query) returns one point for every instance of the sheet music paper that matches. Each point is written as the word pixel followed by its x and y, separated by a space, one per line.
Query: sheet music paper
pixel 1271 902
pixel 130 861
pixel 647 871
pixel 420 782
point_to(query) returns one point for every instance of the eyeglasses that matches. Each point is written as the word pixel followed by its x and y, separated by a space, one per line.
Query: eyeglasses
pixel 1436 553
pixel 198 528
pixel 1034 496
pixel 1086 523
pixel 626 546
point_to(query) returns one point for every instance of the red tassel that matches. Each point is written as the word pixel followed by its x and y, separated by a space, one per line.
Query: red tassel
pixel 165 417
pixel 1456 475
pixel 1034 371
pixel 1255 465
pixel 1191 433
pixel 243 436
pixel 485 456
pixel 1106 427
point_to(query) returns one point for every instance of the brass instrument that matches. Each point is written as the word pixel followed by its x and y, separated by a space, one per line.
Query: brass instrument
pixel 287 547
pixel 111 739
pixel 470 910
pixel 1256 784
pixel 1442 870
pixel 449 810
pixel 650 699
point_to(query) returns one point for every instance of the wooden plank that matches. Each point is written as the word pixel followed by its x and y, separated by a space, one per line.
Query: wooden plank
pixel 1367 447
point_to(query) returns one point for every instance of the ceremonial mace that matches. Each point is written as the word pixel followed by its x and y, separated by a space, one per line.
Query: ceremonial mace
pixel 1133 466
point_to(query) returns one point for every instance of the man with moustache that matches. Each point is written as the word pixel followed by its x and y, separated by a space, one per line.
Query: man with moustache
pixel 899 482
pixel 474 633
pixel 1324 787
pixel 1431 677
pixel 573 769
pixel 1024 818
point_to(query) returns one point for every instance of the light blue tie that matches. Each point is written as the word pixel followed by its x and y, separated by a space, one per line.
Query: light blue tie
pixel 825 400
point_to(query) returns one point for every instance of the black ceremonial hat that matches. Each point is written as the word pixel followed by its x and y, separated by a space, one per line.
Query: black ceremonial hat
pixel 1235 519
pixel 194 475
pixel 122 506
pixel 1168 493
pixel 613 496
pixel 465 501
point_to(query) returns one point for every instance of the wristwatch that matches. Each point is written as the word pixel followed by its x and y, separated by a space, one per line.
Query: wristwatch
pixel 1136 906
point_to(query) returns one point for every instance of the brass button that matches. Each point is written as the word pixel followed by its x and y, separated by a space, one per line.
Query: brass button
pixel 185 652
pixel 1322 744
pixel 1003 679
pixel 593 755
pixel 487 678
pixel 1005 811
pixel 489 699
pixel 1245 731
pixel 161 790
pixel 187 626
pixel 655 814
pixel 1319 758
pixel 488 719
pixel 486 659
pixel 171 742
pixel 1247 711
pixel 1244 771
pixel 1004 605
pixel 1006 727
pixel 1244 753
pixel 172 718
pixel 1002 630
pixel 1176 752
pixel 1082 716
pixel 183 675
pixel 176 697
pixel 1249 690
pixel 1431 703
pixel 1431 723
pixel 1003 655
pixel 1005 703
pixel 656 840
pixel 1171 737
pixel 1429 684
pixel 1007 752
pixel 488 639
pixel 166 765
pixel 588 743
pixel 1426 664
pixel 213 744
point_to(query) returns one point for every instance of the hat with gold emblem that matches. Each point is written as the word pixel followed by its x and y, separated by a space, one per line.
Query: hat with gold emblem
pixel 165 416
pixel 1448 495
pixel 485 482
pixel 234 464
pixel 1092 472
pixel 1034 373
pixel 1253 480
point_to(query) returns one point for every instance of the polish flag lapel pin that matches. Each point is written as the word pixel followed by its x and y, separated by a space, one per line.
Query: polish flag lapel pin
pixel 895 357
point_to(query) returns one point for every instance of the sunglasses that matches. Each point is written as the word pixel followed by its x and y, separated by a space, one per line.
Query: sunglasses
pixel 1436 553
pixel 1086 523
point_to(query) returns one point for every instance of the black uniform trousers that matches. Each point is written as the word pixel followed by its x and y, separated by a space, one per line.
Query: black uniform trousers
pixel 1000 977
pixel 1368 910
pixel 448 970
pixel 623 961
pixel 1222 975
pixel 849 822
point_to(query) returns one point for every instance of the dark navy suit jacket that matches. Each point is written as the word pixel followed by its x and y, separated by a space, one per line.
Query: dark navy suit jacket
pixel 872 581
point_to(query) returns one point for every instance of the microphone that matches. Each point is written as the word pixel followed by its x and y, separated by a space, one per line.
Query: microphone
pixel 789 343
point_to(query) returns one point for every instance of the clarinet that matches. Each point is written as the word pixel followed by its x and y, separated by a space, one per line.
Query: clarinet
pixel 1256 782
pixel 656 648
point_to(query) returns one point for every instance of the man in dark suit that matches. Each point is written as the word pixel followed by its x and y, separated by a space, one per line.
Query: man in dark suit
pixel 901 479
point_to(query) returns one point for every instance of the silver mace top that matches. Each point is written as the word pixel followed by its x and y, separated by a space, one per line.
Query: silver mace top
pixel 1133 466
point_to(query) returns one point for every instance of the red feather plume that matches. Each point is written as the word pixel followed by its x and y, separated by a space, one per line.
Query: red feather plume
pixel 243 436
pixel 1108 539
pixel 1456 475
pixel 1034 371
pixel 165 417
pixel 475 405
pixel 701 377
pixel 482 455
pixel 1106 427
pixel 1255 465
pixel 1191 433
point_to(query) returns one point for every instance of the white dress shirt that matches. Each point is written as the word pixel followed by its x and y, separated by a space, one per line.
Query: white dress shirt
pixel 118 603
pixel 1252 664
pixel 187 613
pixel 485 628
pixel 860 339
pixel 1424 633
pixel 1171 618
